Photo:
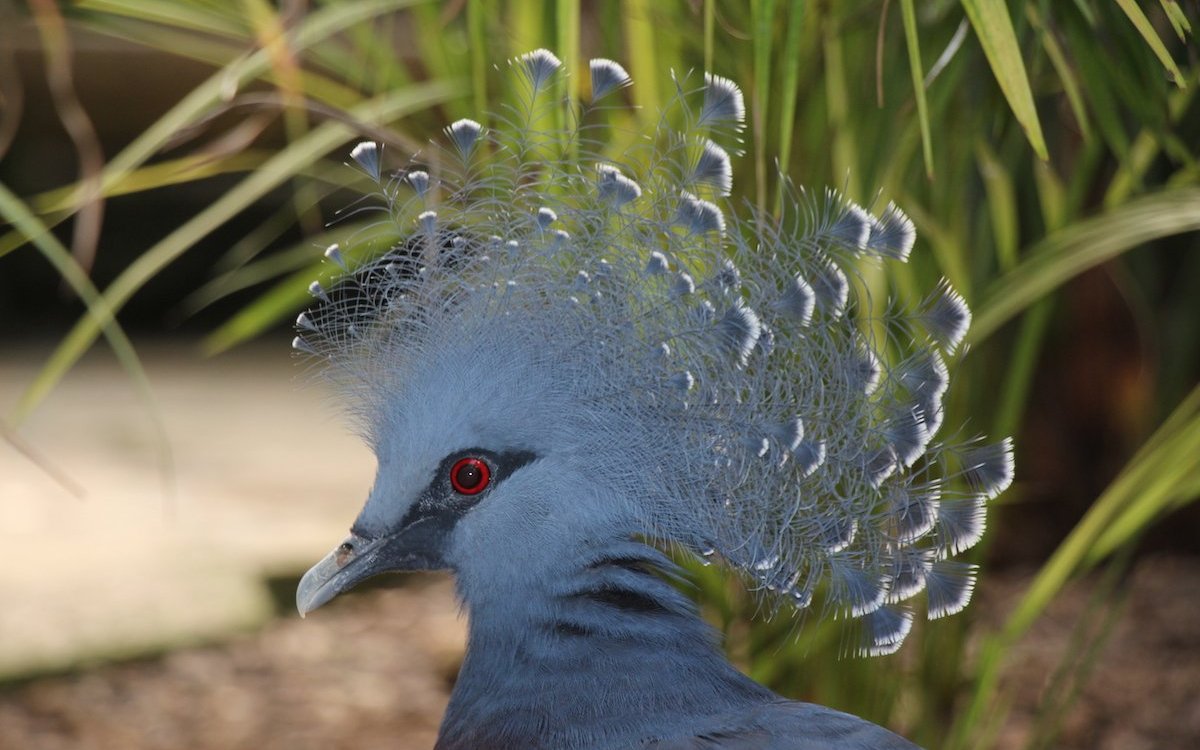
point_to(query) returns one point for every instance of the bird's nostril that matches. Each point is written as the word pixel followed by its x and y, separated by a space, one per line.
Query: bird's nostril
pixel 344 553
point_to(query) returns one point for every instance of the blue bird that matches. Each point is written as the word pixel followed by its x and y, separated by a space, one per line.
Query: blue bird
pixel 578 353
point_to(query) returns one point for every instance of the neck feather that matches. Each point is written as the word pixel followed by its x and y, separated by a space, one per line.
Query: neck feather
pixel 565 664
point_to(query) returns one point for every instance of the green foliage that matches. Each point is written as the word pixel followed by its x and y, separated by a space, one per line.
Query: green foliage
pixel 1052 137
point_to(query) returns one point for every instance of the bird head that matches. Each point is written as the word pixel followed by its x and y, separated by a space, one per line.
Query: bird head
pixel 487 462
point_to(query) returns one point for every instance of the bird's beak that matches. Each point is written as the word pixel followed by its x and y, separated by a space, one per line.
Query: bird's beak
pixel 415 547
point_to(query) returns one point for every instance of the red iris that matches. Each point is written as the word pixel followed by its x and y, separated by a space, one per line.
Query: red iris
pixel 470 476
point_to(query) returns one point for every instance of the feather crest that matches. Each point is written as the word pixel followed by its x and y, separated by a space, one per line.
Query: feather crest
pixel 799 449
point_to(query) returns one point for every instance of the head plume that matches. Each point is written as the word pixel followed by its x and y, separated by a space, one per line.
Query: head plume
pixel 724 369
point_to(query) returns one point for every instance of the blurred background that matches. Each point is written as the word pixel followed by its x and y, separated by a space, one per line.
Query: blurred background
pixel 171 169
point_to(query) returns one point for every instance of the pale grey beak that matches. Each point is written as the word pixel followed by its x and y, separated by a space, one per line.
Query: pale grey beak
pixel 338 572
pixel 417 546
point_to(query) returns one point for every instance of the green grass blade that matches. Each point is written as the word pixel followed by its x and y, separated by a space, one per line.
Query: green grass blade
pixel 1179 20
pixel 994 28
pixel 523 27
pixel 1149 476
pixel 1144 150
pixel 789 68
pixel 1176 449
pixel 1062 68
pixel 98 310
pixel 478 50
pixel 837 95
pixel 282 300
pixel 14 211
pixel 763 16
pixel 250 272
pixel 267 309
pixel 566 46
pixel 1002 204
pixel 915 68
pixel 188 16
pixel 54 206
pixel 319 26
pixel 710 26
pixel 1152 478
pixel 643 65
pixel 276 171
pixel 1083 245
pixel 1138 18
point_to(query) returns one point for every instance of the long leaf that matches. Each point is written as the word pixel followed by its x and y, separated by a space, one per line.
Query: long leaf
pixel 279 169
pixel 994 28
pixel 1066 75
pixel 1156 472
pixel 317 27
pixel 1067 253
pixel 1142 24
pixel 918 79
pixel 321 25
pixel 16 212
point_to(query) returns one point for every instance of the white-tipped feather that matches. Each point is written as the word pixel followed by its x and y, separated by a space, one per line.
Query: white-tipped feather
pixel 657 265
pixel 616 187
pixel 607 76
pixel 739 329
pixel 885 629
pixel 988 468
pixel 949 585
pixel 419 180
pixel 728 278
pixel 333 253
pixel 300 345
pixel 788 433
pixel 907 434
pixel 852 227
pixel 538 66
pixel 366 154
pixel 947 317
pixel 908 574
pixel 837 534
pixel 797 301
pixel 809 456
pixel 464 134
pixel 699 216
pixel 892 234
pixel 913 512
pixel 683 285
pixel 960 523
pixel 831 286
pixel 858 590
pixel 713 168
pixel 723 101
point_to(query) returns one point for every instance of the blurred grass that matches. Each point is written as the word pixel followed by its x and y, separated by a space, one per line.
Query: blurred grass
pixel 1030 140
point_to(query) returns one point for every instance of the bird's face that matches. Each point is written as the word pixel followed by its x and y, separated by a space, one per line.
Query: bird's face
pixel 473 476
pixel 423 535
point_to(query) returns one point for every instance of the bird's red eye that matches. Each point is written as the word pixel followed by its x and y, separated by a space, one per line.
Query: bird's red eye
pixel 470 476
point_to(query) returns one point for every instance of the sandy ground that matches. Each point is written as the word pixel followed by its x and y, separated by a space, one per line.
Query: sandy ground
pixel 262 478
pixel 153 624
pixel 1143 690
pixel 371 671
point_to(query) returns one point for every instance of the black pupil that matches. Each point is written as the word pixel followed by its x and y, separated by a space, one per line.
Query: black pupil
pixel 469 476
